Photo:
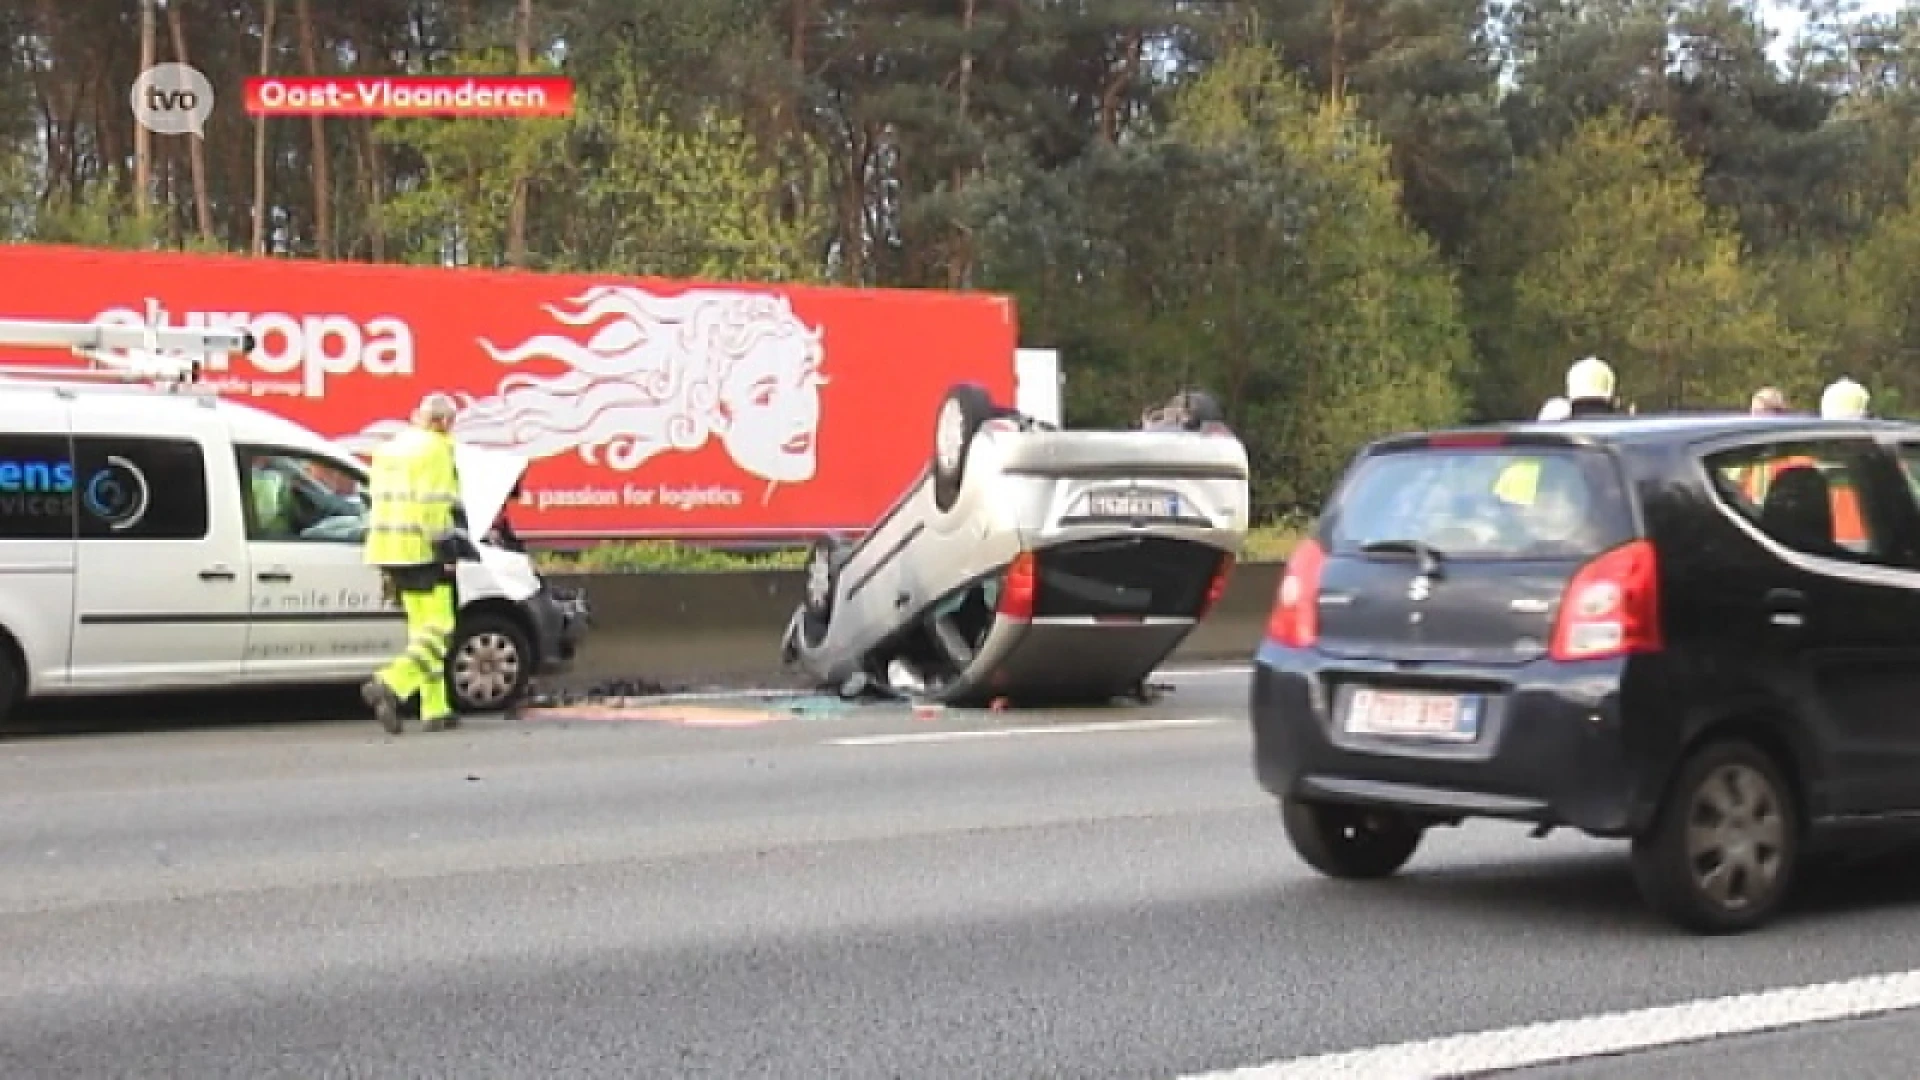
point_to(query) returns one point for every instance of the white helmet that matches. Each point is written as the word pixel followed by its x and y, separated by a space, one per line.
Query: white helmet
pixel 1844 400
pixel 1556 409
pixel 1590 380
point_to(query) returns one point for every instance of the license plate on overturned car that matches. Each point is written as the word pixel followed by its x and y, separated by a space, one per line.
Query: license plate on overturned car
pixel 1400 714
pixel 1133 504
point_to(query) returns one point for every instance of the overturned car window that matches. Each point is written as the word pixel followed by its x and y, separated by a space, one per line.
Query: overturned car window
pixel 1526 503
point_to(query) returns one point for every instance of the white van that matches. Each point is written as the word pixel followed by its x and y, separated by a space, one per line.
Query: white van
pixel 161 539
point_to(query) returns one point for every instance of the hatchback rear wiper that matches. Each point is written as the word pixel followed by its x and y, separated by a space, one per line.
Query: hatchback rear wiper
pixel 1431 558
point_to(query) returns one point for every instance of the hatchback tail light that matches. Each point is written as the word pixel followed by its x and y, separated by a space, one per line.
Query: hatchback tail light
pixel 1217 587
pixel 1018 587
pixel 1611 607
pixel 1295 621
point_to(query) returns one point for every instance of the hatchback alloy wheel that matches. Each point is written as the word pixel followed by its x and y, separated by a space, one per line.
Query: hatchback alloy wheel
pixel 1735 837
pixel 1722 852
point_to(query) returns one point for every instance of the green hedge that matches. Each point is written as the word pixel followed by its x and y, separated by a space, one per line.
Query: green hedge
pixel 1266 544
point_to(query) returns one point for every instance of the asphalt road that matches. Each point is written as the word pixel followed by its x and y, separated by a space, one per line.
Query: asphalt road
pixel 841 894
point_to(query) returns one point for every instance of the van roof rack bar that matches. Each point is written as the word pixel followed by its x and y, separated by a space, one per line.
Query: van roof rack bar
pixel 153 352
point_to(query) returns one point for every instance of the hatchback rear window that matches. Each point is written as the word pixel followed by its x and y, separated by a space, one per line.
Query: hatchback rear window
pixel 1506 503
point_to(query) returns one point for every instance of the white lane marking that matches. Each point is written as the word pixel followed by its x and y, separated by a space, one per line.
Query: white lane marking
pixel 1020 732
pixel 1205 672
pixel 1602 1034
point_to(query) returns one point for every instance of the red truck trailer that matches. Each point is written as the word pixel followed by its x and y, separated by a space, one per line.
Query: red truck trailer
pixel 649 407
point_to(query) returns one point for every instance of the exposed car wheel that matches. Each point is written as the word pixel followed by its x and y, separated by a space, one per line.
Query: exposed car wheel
pixel 962 412
pixel 489 664
pixel 1353 842
pixel 13 684
pixel 1724 847
pixel 822 586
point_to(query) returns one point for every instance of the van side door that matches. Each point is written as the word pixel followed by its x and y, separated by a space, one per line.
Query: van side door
pixel 317 610
pixel 161 592
pixel 37 549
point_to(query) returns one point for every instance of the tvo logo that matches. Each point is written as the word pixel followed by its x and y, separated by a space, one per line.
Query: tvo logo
pixel 172 99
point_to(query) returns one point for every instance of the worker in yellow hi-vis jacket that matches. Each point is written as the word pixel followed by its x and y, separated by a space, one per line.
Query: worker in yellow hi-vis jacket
pixel 411 537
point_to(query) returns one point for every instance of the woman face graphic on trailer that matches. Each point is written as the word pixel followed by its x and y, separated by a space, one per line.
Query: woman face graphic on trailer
pixel 660 374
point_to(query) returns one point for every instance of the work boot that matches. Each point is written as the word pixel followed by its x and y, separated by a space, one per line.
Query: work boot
pixel 384 703
pixel 441 723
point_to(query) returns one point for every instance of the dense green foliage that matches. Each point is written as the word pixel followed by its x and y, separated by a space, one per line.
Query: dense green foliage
pixel 1344 216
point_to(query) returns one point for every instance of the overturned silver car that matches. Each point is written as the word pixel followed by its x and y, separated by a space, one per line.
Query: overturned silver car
pixel 1029 563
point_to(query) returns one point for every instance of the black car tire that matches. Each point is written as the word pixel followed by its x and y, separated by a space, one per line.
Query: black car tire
pixel 822 585
pixel 1725 785
pixel 12 684
pixel 499 642
pixel 962 413
pixel 1351 842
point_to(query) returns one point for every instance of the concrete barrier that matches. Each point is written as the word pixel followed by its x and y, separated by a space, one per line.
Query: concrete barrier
pixel 682 629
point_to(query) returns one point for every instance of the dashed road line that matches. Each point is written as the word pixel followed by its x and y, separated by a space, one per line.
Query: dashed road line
pixel 1225 671
pixel 912 738
pixel 1600 1035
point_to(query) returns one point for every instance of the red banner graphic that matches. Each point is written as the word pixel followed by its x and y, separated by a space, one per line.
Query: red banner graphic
pixel 649 407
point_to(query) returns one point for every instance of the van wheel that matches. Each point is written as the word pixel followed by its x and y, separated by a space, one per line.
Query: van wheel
pixel 1721 855
pixel 962 412
pixel 822 585
pixel 1353 842
pixel 489 664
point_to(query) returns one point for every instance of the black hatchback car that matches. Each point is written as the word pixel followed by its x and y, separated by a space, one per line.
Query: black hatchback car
pixel 1700 633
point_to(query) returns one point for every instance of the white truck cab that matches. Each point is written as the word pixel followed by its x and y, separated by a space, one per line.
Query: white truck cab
pixel 158 537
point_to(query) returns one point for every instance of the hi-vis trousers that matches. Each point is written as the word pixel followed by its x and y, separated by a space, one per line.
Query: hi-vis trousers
pixel 422 667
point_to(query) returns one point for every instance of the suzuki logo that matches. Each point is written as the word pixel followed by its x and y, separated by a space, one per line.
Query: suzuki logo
pixel 1420 589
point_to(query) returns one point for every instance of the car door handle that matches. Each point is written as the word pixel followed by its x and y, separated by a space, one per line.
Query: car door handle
pixel 275 575
pixel 1786 607
pixel 219 572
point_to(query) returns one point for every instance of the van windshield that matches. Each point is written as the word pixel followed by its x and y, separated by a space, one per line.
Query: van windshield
pixel 1497 503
